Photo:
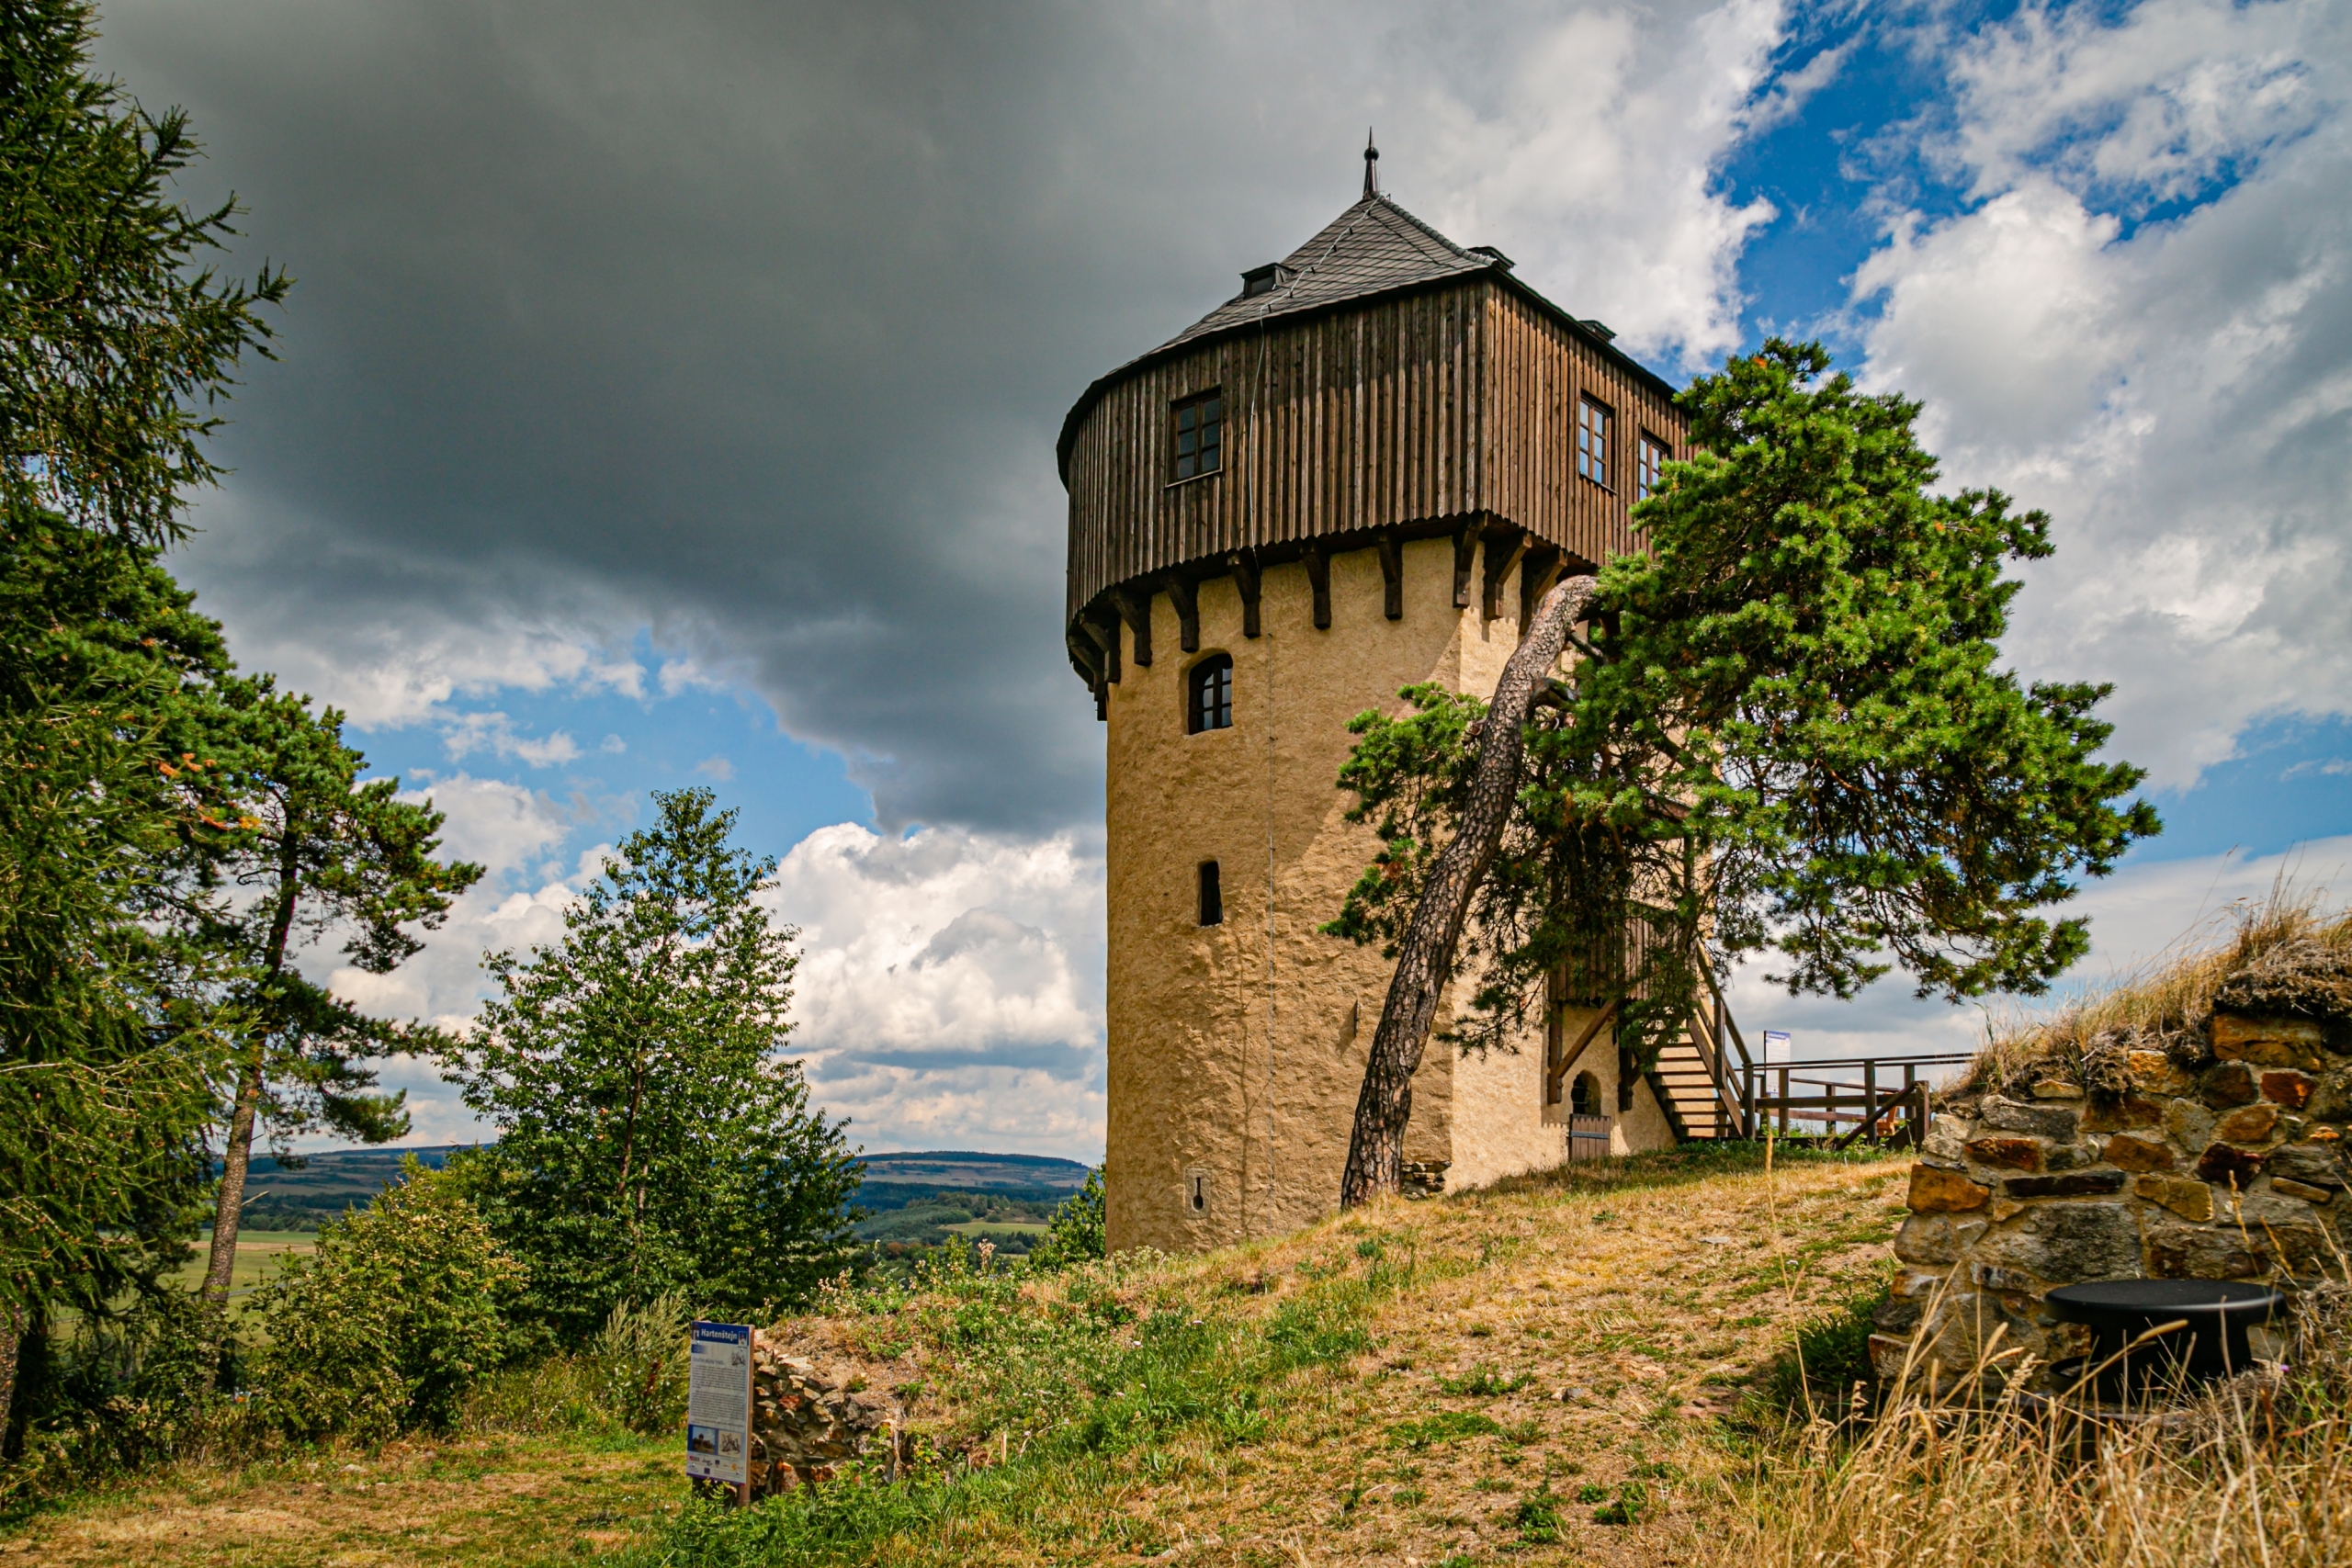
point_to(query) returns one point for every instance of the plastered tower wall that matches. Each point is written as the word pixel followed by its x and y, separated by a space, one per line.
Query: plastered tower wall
pixel 1236 1049
pixel 1381 395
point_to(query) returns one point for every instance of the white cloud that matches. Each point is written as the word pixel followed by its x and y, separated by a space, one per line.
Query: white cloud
pixel 1591 158
pixel 717 768
pixel 389 673
pixel 464 734
pixel 2178 396
pixel 685 674
pixel 950 986
pixel 2139 917
pixel 498 825
pixel 950 989
pixel 2148 108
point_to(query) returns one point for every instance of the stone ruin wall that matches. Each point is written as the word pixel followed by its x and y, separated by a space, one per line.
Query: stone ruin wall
pixel 807 1420
pixel 2220 1156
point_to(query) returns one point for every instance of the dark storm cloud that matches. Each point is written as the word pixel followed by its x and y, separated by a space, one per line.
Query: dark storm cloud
pixel 751 324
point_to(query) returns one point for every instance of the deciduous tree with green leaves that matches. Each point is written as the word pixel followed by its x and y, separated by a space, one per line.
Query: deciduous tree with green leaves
pixel 315 849
pixel 1785 731
pixel 651 1136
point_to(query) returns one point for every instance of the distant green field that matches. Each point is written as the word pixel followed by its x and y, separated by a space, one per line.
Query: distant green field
pixel 260 1254
pixel 999 1227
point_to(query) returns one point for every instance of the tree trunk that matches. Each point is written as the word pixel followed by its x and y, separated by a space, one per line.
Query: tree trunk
pixel 12 1336
pixel 236 1157
pixel 1425 958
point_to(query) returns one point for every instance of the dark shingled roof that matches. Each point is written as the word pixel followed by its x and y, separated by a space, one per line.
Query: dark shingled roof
pixel 1371 248
pixel 1374 247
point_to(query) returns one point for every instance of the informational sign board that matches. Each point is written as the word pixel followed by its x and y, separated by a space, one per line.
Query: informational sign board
pixel 718 1402
pixel 1776 1048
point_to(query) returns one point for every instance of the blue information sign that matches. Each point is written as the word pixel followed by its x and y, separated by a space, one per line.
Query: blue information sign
pixel 718 1402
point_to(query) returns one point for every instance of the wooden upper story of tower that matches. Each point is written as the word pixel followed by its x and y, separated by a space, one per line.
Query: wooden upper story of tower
pixel 1381 382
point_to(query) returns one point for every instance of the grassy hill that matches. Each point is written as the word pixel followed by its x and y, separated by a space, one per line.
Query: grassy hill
pixel 1547 1373
pixel 971 1172
pixel 302 1193
pixel 915 1202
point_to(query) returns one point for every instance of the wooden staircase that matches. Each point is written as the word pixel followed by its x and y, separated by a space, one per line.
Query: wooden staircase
pixel 1699 1077
pixel 1712 1089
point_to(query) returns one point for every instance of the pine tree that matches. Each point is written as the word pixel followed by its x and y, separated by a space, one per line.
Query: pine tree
pixel 115 344
pixel 1788 733
pixel 651 1138
pixel 313 849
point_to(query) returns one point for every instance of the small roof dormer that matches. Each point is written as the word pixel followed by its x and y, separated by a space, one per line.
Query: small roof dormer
pixel 1264 280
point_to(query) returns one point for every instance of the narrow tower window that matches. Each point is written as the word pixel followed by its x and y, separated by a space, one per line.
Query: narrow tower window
pixel 1592 441
pixel 1651 455
pixel 1200 434
pixel 1212 896
pixel 1209 703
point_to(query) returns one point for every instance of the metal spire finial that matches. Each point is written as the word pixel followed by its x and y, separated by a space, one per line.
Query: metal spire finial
pixel 1371 166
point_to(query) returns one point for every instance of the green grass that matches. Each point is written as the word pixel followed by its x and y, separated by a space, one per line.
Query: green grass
pixel 999 1227
pixel 260 1254
pixel 1262 1398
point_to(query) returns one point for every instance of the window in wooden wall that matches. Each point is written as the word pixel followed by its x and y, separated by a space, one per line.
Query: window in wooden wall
pixel 1209 694
pixel 1200 434
pixel 1212 896
pixel 1592 440
pixel 1649 457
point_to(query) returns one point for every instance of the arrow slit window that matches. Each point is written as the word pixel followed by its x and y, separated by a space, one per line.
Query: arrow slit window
pixel 1200 434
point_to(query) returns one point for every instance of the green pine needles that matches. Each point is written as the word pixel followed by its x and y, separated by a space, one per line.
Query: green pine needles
pixel 1787 733
pixel 651 1139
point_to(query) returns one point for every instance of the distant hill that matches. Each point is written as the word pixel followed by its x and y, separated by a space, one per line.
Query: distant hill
pixel 326 1184
pixel 976 1172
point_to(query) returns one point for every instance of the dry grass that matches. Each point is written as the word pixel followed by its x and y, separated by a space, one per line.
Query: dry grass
pixel 1559 1371
pixel 2258 1474
pixel 2169 1000
pixel 1592 1330
pixel 466 1501
pixel 1552 1373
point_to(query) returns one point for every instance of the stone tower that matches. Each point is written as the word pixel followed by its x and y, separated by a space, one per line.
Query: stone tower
pixel 1357 474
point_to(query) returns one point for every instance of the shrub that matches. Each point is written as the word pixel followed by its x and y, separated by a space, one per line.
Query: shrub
pixel 1075 1234
pixel 127 1388
pixel 388 1321
pixel 639 1363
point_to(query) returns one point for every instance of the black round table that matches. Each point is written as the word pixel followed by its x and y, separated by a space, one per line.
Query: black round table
pixel 2212 1342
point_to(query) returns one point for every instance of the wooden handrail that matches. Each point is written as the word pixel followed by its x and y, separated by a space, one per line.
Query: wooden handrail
pixel 1918 1091
pixel 1568 1057
pixel 1730 1022
pixel 1711 1057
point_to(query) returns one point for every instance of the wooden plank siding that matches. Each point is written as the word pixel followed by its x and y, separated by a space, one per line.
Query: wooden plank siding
pixel 1422 413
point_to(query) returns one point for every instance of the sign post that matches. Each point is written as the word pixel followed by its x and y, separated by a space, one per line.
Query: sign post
pixel 1776 1048
pixel 719 1406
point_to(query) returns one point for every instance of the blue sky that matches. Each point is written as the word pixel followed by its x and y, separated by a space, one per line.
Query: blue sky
pixel 690 423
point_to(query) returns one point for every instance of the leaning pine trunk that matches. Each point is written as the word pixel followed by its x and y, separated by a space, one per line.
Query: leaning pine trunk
pixel 1425 958
pixel 237 1153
